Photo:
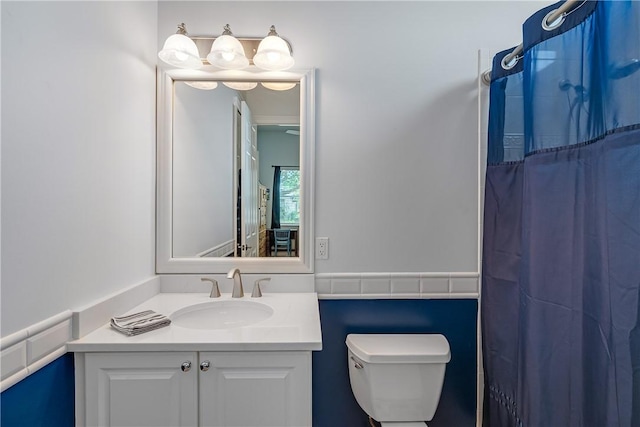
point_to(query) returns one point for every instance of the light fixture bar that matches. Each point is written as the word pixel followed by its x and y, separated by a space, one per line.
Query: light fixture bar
pixel 250 45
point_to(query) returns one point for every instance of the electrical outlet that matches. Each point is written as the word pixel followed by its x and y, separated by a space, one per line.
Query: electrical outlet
pixel 322 248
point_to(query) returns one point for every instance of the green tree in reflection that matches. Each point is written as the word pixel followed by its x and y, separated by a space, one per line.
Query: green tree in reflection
pixel 290 196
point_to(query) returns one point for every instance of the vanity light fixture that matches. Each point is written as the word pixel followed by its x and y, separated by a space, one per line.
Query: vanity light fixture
pixel 180 51
pixel 240 85
pixel 202 85
pixel 227 52
pixel 278 85
pixel 273 53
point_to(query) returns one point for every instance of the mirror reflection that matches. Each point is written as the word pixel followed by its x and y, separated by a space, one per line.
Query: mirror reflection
pixel 236 169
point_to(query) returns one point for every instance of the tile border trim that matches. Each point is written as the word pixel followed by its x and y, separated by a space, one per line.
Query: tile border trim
pixel 26 351
pixel 399 285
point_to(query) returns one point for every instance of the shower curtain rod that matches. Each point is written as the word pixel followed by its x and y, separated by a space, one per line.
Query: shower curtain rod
pixel 558 13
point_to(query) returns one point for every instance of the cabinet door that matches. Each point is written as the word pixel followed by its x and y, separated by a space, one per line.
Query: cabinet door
pixel 141 389
pixel 256 389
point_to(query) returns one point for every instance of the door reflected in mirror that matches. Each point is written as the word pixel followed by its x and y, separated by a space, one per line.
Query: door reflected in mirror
pixel 235 170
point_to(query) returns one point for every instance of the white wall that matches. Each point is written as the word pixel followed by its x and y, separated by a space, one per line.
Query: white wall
pixel 396 143
pixel 396 147
pixel 203 196
pixel 78 154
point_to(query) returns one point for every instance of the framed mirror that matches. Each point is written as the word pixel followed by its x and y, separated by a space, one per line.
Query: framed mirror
pixel 235 170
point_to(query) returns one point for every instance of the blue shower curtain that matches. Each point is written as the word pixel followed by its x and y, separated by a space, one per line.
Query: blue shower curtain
pixel 560 299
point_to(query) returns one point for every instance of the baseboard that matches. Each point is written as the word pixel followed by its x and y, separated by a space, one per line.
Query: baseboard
pixel 221 250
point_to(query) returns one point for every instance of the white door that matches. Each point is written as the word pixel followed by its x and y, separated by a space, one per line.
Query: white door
pixel 141 389
pixel 249 187
pixel 255 389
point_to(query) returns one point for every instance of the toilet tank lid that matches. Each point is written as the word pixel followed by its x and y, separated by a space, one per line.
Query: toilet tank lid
pixel 400 348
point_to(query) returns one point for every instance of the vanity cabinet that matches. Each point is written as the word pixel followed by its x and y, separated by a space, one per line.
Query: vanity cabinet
pixel 140 389
pixel 254 388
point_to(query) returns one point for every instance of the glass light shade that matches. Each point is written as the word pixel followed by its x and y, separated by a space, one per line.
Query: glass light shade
pixel 180 51
pixel 278 85
pixel 240 85
pixel 273 54
pixel 203 85
pixel 227 53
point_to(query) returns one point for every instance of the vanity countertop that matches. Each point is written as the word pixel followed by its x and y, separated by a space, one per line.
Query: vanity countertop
pixel 294 325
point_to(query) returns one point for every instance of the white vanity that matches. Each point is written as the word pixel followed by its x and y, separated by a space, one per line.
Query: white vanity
pixel 199 372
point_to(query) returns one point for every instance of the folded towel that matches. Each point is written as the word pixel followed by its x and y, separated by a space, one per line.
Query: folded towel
pixel 138 323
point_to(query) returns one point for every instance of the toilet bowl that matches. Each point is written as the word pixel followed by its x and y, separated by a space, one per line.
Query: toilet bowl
pixel 397 378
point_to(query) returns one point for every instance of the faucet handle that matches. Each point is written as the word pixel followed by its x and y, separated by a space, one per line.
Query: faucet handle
pixel 215 291
pixel 257 292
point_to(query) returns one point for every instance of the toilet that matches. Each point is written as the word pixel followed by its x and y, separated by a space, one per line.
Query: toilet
pixel 397 378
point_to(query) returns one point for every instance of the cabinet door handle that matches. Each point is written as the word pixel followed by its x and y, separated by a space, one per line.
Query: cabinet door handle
pixel 186 367
pixel 204 366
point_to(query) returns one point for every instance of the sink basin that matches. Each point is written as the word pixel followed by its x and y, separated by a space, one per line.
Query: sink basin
pixel 221 314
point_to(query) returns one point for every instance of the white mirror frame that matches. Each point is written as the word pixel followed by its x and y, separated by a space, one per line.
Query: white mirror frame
pixel 164 261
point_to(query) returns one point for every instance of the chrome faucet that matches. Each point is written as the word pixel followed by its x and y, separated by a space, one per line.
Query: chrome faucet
pixel 215 291
pixel 234 274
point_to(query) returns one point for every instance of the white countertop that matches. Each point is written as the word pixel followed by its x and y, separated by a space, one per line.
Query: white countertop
pixel 294 325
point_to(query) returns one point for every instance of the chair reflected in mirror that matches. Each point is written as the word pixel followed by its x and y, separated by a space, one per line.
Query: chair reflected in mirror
pixel 282 239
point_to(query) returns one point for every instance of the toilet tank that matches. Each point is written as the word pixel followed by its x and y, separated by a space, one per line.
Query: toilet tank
pixel 397 377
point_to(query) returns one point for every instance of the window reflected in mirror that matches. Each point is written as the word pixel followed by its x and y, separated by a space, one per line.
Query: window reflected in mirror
pixel 289 190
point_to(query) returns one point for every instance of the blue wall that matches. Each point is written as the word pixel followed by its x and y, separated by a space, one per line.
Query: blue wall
pixel 333 401
pixel 45 398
